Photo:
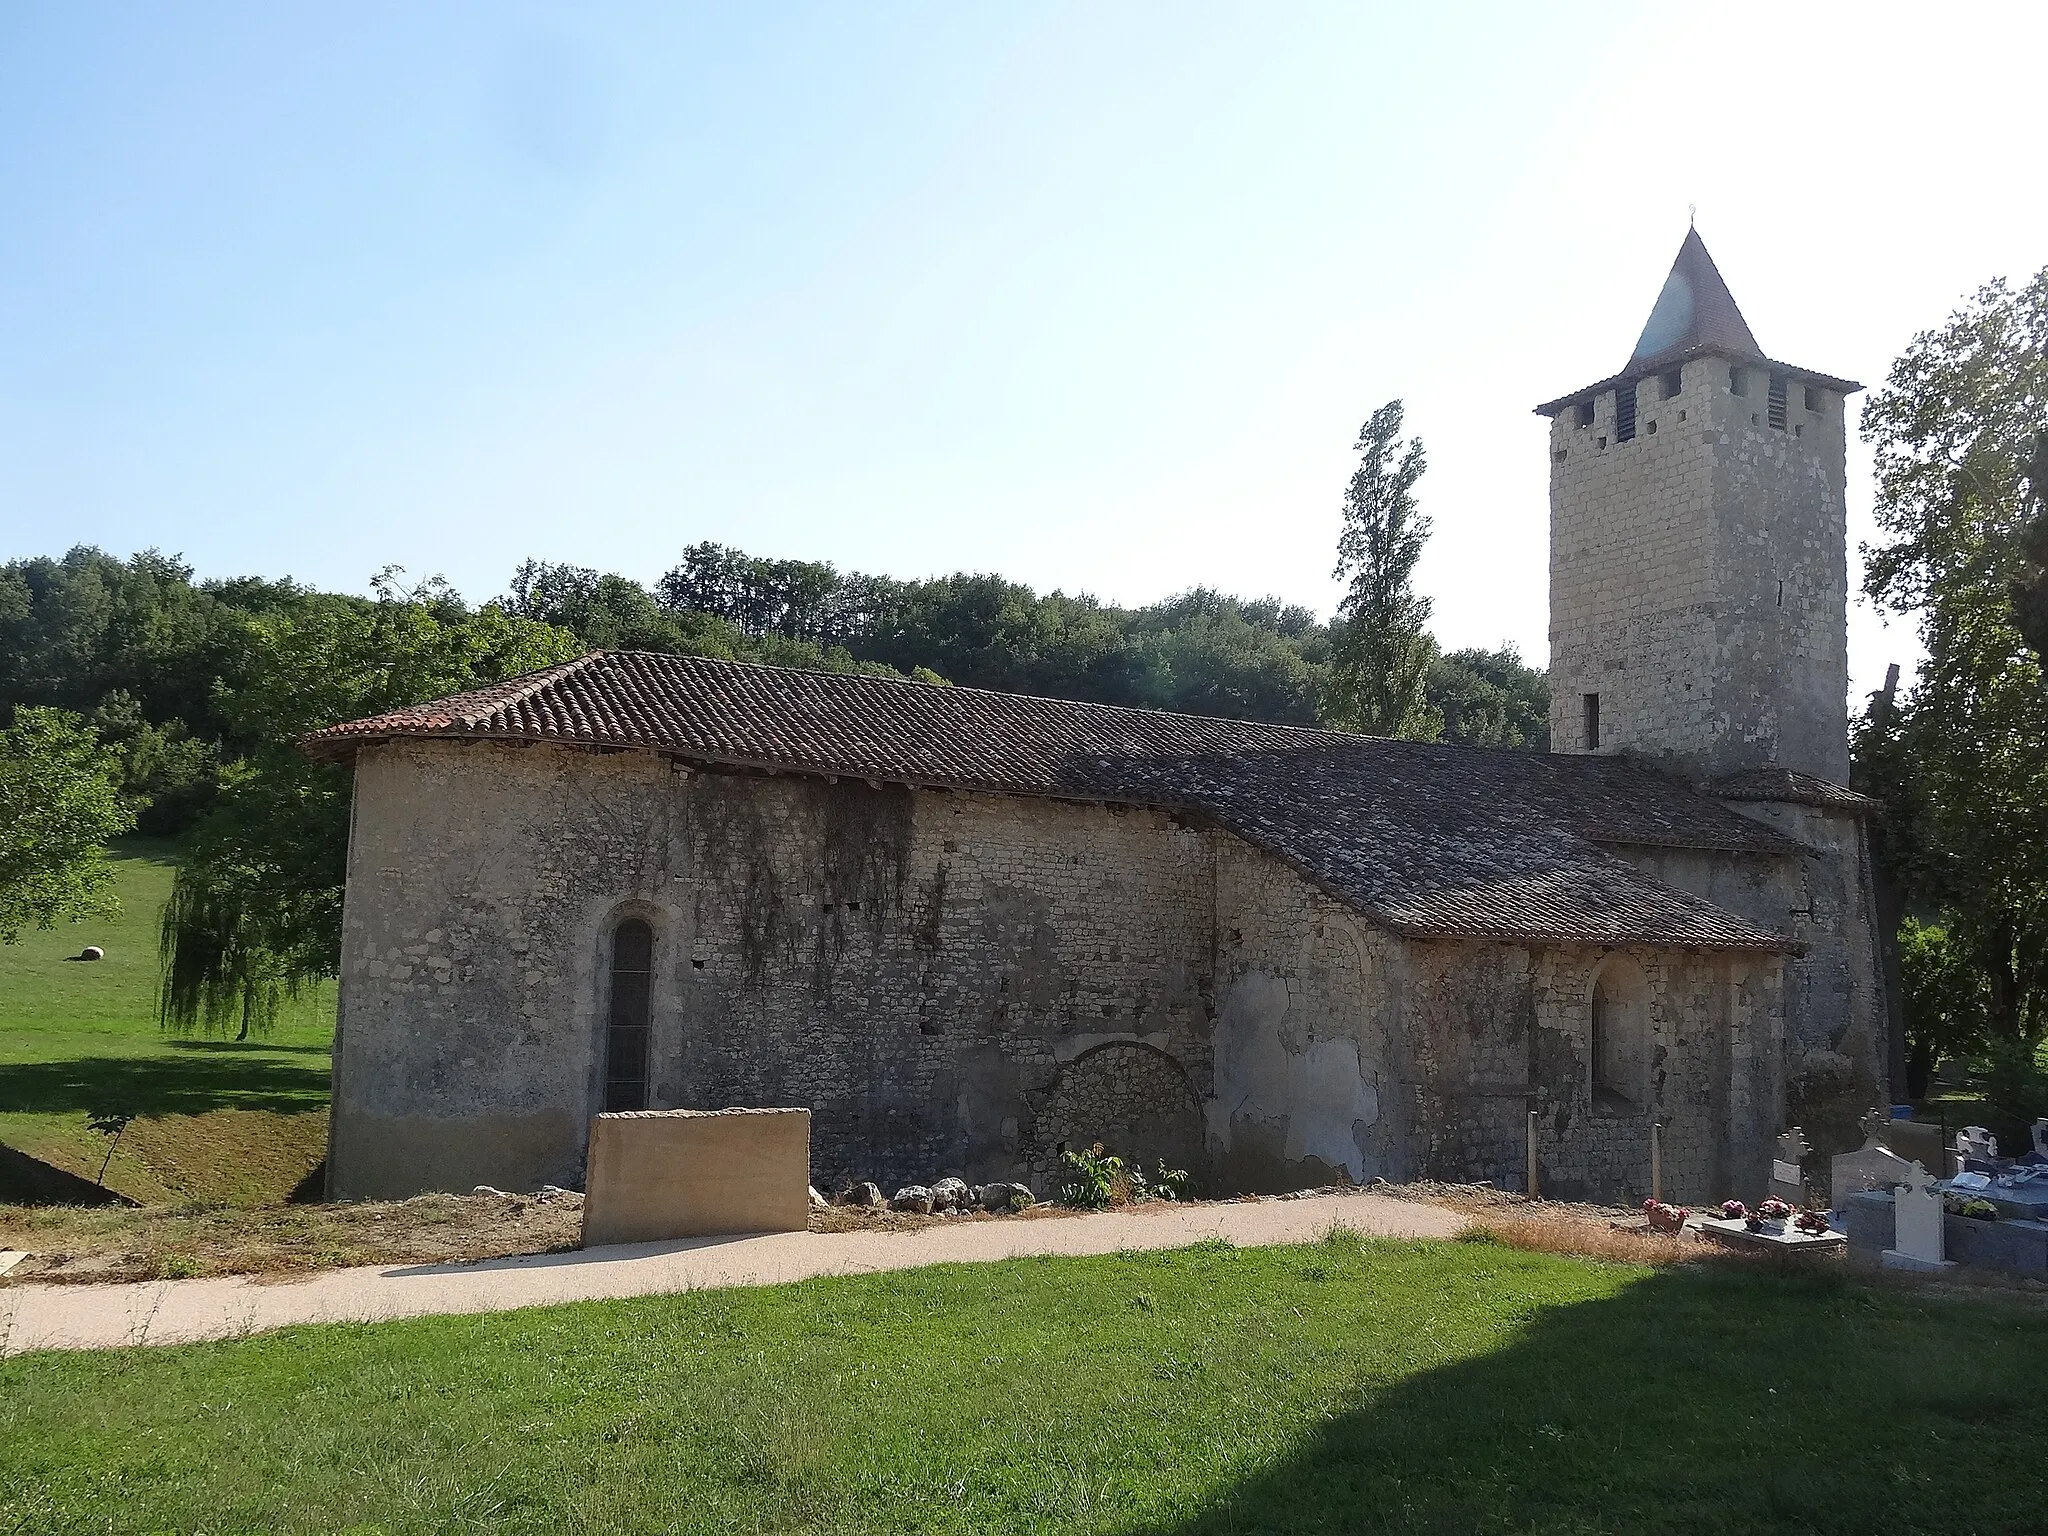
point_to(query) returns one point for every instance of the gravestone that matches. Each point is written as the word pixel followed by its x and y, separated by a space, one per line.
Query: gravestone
pixel 2041 1138
pixel 1788 1183
pixel 1874 1166
pixel 1975 1141
pixel 1916 1224
pixel 1918 1143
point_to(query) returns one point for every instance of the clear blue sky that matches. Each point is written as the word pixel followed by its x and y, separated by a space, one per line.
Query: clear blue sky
pixel 1094 296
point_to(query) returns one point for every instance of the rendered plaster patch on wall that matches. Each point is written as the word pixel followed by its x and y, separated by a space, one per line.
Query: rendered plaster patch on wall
pixel 1316 1097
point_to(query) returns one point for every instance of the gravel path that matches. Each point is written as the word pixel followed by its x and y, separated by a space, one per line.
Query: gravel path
pixel 35 1317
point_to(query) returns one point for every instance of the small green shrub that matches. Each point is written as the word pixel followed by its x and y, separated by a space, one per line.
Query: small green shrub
pixel 1088 1178
pixel 1094 1179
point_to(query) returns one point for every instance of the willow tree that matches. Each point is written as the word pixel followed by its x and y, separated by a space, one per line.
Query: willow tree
pixel 254 915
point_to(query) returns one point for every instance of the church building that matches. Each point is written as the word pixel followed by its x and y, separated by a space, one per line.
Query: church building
pixel 967 928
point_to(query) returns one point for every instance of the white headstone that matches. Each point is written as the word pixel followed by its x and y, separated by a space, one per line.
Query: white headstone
pixel 1975 1141
pixel 2041 1138
pixel 1916 1231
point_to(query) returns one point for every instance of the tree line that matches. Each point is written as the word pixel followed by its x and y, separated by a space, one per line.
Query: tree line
pixel 136 697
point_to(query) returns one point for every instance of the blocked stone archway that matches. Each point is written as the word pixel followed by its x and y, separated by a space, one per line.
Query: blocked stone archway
pixel 1135 1100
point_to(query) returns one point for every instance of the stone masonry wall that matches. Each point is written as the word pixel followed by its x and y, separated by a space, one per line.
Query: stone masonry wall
pixel 923 970
pixel 1829 1067
pixel 959 983
pixel 1699 577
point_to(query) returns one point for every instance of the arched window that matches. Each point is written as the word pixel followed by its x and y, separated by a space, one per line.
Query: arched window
pixel 625 1056
pixel 1619 1045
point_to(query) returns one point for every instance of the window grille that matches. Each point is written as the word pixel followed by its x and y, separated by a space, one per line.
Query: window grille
pixel 1625 413
pixel 625 1057
pixel 1777 402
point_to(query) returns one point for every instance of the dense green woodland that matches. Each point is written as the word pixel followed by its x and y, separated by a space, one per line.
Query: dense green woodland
pixel 197 690
pixel 180 676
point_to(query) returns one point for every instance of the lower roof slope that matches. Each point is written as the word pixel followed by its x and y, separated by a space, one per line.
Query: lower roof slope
pixel 1431 841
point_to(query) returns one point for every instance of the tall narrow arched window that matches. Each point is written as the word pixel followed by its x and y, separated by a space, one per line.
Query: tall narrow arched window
pixel 625 1055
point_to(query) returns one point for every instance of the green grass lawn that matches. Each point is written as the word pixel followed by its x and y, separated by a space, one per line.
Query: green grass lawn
pixel 1342 1387
pixel 220 1120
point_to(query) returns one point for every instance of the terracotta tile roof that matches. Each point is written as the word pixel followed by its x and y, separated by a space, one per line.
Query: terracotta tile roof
pixel 1432 841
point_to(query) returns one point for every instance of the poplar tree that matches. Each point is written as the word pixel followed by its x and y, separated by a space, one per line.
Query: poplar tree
pixel 1380 663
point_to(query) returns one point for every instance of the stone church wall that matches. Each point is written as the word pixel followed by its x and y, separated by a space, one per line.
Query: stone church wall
pixel 931 973
pixel 1830 1065
pixel 1501 1030
pixel 960 983
pixel 1309 1051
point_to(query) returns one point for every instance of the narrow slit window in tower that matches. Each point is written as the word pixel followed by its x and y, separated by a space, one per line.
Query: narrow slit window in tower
pixel 1777 402
pixel 1738 384
pixel 1592 704
pixel 1673 382
pixel 1625 413
pixel 625 1056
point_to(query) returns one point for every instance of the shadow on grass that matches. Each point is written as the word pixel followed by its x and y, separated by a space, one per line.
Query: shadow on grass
pixel 178 1084
pixel 1693 1401
pixel 238 1047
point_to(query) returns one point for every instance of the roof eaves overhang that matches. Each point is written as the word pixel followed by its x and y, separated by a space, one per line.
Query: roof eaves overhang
pixel 324 747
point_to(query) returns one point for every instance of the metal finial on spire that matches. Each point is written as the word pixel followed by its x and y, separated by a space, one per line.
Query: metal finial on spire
pixel 1692 215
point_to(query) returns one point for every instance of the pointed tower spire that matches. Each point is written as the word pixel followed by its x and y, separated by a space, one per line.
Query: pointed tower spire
pixel 1694 313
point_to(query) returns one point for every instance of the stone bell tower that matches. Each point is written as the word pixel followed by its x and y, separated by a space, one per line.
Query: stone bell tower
pixel 1698 549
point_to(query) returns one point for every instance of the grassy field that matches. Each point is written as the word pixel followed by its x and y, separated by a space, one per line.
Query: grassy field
pixel 218 1120
pixel 1343 1387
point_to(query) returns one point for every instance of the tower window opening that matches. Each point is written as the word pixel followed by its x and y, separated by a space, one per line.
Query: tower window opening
pixel 1650 430
pixel 1583 414
pixel 1591 702
pixel 1781 594
pixel 1776 404
pixel 1738 383
pixel 625 1056
pixel 1814 403
pixel 1673 382
pixel 1625 413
